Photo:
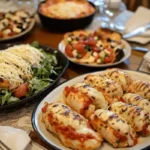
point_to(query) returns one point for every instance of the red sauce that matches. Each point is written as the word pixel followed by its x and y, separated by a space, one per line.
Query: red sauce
pixel 144 129
pixel 70 89
pixel 122 138
pixel 44 109
pixel 68 131
pixel 87 102
pixel 122 100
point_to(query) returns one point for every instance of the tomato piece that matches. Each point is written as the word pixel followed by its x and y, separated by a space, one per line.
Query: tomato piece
pixel 81 49
pixel 91 42
pixel 12 33
pixel 82 42
pixel 108 59
pixel 111 57
pixel 22 90
pixel 68 50
pixel 96 49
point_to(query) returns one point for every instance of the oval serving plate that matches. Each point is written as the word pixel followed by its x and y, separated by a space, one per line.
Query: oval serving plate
pixel 41 94
pixel 21 34
pixel 50 139
pixel 126 50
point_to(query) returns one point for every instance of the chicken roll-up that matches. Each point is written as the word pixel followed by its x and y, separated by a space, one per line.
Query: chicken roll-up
pixel 84 99
pixel 121 77
pixel 134 115
pixel 113 129
pixel 111 90
pixel 140 87
pixel 136 99
pixel 70 127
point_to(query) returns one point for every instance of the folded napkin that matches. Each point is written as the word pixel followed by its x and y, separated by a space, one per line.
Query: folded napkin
pixel 145 64
pixel 138 19
pixel 15 139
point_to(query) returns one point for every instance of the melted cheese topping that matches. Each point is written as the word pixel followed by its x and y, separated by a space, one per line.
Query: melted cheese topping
pixel 140 87
pixel 138 100
pixel 134 115
pixel 16 63
pixel 113 122
pixel 111 90
pixel 67 9
pixel 99 99
pixel 120 77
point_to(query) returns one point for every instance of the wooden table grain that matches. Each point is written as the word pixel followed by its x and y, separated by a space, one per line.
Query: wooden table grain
pixel 46 37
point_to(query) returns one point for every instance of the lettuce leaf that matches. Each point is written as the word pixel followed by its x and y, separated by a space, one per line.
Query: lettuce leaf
pixel 37 85
pixel 6 97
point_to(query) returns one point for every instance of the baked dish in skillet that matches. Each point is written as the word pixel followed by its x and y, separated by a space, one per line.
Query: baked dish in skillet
pixel 66 9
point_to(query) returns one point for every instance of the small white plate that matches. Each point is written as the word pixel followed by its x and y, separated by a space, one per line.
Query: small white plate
pixel 21 34
pixel 126 50
pixel 56 94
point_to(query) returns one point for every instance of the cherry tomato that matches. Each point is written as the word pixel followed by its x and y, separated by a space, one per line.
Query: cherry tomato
pixel 96 49
pixel 81 49
pixel 111 57
pixel 22 90
pixel 68 50
pixel 91 42
pixel 81 42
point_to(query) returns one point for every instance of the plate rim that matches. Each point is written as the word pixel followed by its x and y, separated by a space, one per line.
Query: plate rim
pixel 33 116
pixel 22 33
pixel 61 43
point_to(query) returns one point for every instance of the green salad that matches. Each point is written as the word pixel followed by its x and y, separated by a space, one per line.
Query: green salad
pixel 34 70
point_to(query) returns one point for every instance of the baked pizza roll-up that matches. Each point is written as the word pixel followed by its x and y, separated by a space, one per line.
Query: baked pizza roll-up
pixel 134 115
pixel 136 99
pixel 113 129
pixel 111 90
pixel 121 77
pixel 70 127
pixel 140 87
pixel 84 99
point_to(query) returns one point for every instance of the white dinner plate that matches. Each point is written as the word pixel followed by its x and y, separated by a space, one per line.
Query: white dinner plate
pixel 21 34
pixel 126 50
pixel 56 94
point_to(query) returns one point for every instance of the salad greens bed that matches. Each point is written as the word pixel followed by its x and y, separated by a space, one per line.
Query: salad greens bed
pixel 42 77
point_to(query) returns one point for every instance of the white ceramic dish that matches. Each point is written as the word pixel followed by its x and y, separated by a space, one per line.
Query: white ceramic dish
pixel 56 94
pixel 21 34
pixel 126 50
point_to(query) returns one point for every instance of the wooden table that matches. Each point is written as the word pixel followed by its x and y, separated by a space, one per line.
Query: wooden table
pixel 46 37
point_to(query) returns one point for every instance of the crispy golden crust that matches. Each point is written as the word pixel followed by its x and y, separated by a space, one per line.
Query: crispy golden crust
pixel 108 34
